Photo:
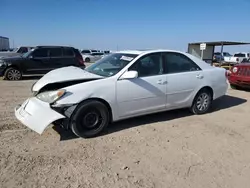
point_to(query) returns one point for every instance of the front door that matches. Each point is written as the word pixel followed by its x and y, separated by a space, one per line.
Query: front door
pixel 37 61
pixel 183 78
pixel 144 94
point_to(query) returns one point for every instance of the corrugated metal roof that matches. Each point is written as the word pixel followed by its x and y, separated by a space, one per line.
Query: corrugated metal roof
pixel 219 43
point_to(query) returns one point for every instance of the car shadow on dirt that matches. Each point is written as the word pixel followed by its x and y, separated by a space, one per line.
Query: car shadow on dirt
pixel 227 101
pixel 33 77
pixel 222 103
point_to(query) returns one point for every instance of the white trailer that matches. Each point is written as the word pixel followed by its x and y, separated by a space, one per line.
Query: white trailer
pixel 4 43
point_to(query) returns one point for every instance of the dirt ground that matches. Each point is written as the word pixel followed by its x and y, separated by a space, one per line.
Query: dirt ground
pixel 171 149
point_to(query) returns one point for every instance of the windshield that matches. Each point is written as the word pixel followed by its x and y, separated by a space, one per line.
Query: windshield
pixel 227 54
pixel 111 64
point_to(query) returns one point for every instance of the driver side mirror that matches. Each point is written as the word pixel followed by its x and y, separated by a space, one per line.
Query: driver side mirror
pixel 129 75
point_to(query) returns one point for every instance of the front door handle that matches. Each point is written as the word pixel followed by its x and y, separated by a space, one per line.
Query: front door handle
pixel 199 76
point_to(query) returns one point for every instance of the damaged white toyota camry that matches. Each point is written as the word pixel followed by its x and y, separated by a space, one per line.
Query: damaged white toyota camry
pixel 122 85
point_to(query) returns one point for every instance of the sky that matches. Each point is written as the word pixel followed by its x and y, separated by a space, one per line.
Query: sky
pixel 125 24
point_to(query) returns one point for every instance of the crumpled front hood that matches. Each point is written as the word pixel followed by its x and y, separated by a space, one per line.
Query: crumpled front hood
pixel 64 75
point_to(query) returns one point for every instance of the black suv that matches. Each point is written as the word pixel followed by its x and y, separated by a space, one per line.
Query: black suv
pixel 40 60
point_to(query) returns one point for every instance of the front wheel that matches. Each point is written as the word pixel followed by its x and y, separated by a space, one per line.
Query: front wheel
pixel 90 119
pixel 12 74
pixel 202 102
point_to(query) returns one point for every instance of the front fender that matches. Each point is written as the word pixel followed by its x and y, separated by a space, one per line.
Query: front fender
pixel 100 89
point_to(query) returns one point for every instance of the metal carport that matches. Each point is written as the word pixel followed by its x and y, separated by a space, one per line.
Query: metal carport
pixel 208 53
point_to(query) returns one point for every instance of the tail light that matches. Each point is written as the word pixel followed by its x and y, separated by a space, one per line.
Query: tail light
pixel 227 73
pixel 80 59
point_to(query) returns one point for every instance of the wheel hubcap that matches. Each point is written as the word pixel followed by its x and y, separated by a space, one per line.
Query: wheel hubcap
pixel 14 75
pixel 91 119
pixel 202 102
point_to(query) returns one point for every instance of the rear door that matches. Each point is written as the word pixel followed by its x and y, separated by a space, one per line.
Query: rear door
pixel 183 78
pixel 56 58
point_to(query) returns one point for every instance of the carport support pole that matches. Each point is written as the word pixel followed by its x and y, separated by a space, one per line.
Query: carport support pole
pixel 221 52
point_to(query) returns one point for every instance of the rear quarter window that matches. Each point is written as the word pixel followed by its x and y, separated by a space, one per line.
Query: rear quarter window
pixel 68 52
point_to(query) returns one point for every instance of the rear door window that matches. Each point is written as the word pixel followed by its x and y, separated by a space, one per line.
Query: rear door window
pixel 55 52
pixel 178 63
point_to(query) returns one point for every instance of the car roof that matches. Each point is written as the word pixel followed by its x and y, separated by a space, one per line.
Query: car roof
pixel 54 46
pixel 139 52
pixel 202 64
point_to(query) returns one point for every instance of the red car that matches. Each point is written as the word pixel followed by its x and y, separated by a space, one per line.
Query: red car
pixel 240 76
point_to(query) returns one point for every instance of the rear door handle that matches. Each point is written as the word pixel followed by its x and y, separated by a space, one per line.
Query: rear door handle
pixel 161 82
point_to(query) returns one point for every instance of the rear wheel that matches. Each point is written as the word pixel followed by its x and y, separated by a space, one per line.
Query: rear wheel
pixel 202 102
pixel 12 74
pixel 90 119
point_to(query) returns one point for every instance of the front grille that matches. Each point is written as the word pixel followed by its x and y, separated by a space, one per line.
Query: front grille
pixel 243 71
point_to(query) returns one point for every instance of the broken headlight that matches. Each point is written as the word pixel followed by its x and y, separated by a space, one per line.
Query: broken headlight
pixel 51 96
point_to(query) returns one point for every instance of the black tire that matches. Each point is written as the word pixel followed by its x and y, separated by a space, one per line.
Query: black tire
pixel 12 74
pixel 204 96
pixel 89 119
pixel 234 86
pixel 87 60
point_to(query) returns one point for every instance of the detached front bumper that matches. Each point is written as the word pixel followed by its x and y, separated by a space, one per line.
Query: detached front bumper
pixel 36 114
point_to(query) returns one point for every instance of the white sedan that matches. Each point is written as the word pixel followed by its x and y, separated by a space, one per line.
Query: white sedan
pixel 93 57
pixel 122 85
